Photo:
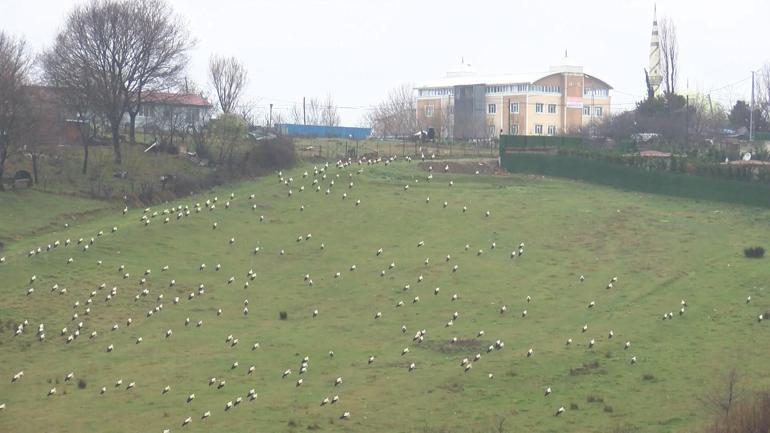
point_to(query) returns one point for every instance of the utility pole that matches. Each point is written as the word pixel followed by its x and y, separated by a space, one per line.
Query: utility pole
pixel 304 116
pixel 751 114
pixel 687 121
pixel 270 119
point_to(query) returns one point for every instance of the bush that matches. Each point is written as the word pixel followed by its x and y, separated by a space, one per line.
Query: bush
pixel 754 252
pixel 269 155
pixel 748 416
pixel 283 315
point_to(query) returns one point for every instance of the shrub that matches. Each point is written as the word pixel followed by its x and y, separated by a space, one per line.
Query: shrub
pixel 754 252
pixel 81 384
pixel 270 155
pixel 283 315
pixel 748 416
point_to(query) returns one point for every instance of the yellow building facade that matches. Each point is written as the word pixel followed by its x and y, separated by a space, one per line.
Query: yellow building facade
pixel 465 105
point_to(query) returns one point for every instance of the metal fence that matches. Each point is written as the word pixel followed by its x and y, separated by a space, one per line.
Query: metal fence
pixel 339 149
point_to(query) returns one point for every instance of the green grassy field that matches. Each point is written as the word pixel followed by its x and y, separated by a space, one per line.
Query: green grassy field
pixel 662 250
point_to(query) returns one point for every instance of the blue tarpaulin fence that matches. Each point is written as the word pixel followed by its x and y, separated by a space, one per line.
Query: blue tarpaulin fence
pixel 324 131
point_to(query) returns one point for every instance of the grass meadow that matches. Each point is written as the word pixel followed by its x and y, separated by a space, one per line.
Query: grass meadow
pixel 662 249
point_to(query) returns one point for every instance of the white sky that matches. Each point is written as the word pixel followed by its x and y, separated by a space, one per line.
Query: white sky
pixel 357 50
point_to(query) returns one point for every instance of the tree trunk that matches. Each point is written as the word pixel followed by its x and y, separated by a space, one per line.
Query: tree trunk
pixel 132 126
pixel 132 118
pixel 3 156
pixel 34 168
pixel 115 126
pixel 85 157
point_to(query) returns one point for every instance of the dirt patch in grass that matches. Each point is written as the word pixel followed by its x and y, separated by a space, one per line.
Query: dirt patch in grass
pixel 463 345
pixel 587 368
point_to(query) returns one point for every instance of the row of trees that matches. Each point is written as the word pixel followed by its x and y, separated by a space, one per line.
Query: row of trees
pixel 14 69
pixel 104 62
pixel 683 119
pixel 316 112
pixel 110 53
pixel 396 115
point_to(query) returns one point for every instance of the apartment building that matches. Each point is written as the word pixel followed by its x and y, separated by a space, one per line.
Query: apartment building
pixel 467 105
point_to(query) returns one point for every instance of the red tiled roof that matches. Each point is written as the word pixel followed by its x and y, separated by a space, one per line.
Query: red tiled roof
pixel 176 99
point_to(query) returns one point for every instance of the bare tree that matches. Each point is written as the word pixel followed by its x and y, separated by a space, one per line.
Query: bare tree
pixel 763 91
pixel 313 111
pixel 161 42
pixel 396 115
pixel 85 118
pixel 724 396
pixel 669 49
pixel 248 111
pixel 296 115
pixel 14 70
pixel 229 78
pixel 111 50
pixel 37 128
pixel 329 114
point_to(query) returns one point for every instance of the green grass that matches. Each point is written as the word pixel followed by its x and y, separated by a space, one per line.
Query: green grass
pixel 60 171
pixel 28 212
pixel 662 249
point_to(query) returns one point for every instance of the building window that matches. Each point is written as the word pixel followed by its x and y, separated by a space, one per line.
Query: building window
pixel 552 108
pixel 515 129
pixel 514 107
pixel 586 110
pixel 539 109
pixel 491 109
pixel 551 129
pixel 596 92
pixel 429 111
pixel 598 111
pixel 538 129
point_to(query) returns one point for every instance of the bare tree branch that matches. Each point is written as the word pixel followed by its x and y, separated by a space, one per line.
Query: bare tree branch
pixel 111 50
pixel 229 77
pixel 329 115
pixel 14 70
pixel 669 49
pixel 162 42
pixel 396 115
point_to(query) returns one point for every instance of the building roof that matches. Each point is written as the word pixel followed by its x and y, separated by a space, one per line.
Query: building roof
pixel 189 99
pixel 466 75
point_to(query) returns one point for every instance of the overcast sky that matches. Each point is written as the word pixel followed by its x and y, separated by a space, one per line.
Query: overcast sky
pixel 358 50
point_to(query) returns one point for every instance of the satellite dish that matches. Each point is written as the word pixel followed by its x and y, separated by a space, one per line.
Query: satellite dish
pixel 747 156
